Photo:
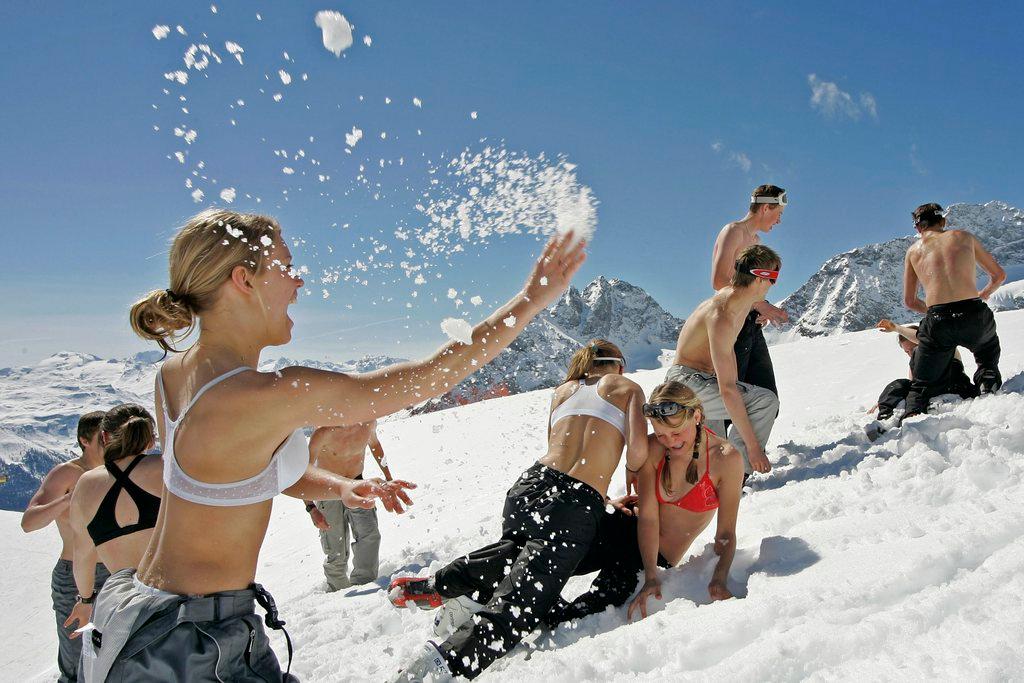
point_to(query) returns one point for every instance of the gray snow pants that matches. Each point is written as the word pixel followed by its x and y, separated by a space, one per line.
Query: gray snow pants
pixel 63 591
pixel 762 406
pixel 361 525
pixel 142 634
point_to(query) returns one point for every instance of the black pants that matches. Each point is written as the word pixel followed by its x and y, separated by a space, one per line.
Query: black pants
pixel 549 522
pixel 615 555
pixel 753 363
pixel 955 381
pixel 967 323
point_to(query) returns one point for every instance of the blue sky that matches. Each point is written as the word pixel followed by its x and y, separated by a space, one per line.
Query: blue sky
pixel 673 113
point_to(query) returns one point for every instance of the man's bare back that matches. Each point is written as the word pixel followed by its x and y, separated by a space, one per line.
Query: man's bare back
pixel 945 263
pixel 732 239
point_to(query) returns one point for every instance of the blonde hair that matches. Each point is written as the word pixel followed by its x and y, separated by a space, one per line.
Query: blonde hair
pixel 203 254
pixel 583 360
pixel 677 392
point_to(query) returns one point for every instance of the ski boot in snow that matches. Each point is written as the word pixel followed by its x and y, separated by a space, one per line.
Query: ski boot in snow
pixel 430 665
pixel 414 590
pixel 453 614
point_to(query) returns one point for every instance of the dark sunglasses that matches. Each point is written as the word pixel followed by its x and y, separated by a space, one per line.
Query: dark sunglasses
pixel 770 275
pixel 666 409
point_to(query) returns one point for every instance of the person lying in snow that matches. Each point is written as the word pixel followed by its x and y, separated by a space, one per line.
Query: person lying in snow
pixel 953 381
pixel 691 476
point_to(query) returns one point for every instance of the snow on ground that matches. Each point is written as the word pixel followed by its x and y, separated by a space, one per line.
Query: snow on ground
pixel 898 559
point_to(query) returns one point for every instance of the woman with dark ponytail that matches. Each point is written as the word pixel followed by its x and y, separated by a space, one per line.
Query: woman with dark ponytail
pixel 114 507
pixel 691 475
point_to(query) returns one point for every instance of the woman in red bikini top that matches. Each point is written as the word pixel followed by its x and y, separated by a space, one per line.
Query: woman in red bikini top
pixel 690 473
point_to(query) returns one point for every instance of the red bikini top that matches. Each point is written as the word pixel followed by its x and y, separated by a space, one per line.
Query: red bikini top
pixel 702 497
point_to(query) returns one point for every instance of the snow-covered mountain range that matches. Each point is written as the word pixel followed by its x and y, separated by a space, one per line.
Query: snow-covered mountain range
pixel 609 309
pixel 854 290
pixel 40 404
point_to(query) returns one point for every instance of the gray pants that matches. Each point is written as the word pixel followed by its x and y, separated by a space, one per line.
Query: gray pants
pixel 146 635
pixel 335 541
pixel 762 406
pixel 63 590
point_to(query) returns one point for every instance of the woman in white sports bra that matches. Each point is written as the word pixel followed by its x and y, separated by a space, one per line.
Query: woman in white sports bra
pixel 231 443
pixel 551 516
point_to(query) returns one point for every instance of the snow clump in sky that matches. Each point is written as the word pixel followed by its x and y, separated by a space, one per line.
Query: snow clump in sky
pixel 337 32
pixel 458 330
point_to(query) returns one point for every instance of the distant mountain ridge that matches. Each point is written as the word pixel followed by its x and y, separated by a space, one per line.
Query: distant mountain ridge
pixel 606 308
pixel 854 290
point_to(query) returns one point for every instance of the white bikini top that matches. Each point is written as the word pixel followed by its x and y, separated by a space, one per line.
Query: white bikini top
pixel 586 401
pixel 286 467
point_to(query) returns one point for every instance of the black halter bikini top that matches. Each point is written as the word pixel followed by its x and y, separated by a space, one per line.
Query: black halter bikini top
pixel 103 526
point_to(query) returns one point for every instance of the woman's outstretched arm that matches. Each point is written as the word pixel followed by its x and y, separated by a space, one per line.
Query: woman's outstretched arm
pixel 304 396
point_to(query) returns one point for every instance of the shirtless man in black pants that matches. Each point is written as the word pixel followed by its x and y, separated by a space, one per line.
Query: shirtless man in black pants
pixel 945 262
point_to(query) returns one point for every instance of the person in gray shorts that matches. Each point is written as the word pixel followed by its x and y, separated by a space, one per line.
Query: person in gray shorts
pixel 342 450
pixel 51 503
pixel 706 362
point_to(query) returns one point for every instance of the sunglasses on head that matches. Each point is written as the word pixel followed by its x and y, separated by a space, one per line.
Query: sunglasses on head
pixel 781 200
pixel 770 275
pixel 666 409
pixel 610 359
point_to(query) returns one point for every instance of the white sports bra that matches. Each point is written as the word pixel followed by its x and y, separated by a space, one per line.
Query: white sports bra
pixel 286 467
pixel 586 401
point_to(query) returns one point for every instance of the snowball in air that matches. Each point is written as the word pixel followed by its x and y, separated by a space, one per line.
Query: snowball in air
pixel 337 32
pixel 352 138
pixel 367 41
pixel 458 330
pixel 160 32
pixel 510 321
pixel 476 300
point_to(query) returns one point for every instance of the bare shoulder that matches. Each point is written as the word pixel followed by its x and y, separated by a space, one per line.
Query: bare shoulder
pixel 726 457
pixel 620 383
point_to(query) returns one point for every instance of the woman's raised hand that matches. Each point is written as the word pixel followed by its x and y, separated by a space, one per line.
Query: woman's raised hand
pixel 886 325
pixel 554 269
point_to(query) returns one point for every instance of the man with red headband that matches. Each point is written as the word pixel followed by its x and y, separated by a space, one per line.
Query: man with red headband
pixel 767 203
pixel 945 263
pixel 705 357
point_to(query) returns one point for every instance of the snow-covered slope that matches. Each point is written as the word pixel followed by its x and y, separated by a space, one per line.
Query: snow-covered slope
pixel 854 290
pixel 40 406
pixel 606 308
pixel 898 560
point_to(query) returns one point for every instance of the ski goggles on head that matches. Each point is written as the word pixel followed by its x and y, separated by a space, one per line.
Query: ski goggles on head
pixel 666 409
pixel 610 359
pixel 781 200
pixel 770 275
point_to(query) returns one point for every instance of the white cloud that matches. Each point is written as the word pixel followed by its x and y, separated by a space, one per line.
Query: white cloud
pixel 832 101
pixel 868 104
pixel 916 162
pixel 741 160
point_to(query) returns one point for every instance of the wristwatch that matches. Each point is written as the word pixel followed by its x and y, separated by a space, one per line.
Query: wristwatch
pixel 310 506
pixel 86 601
